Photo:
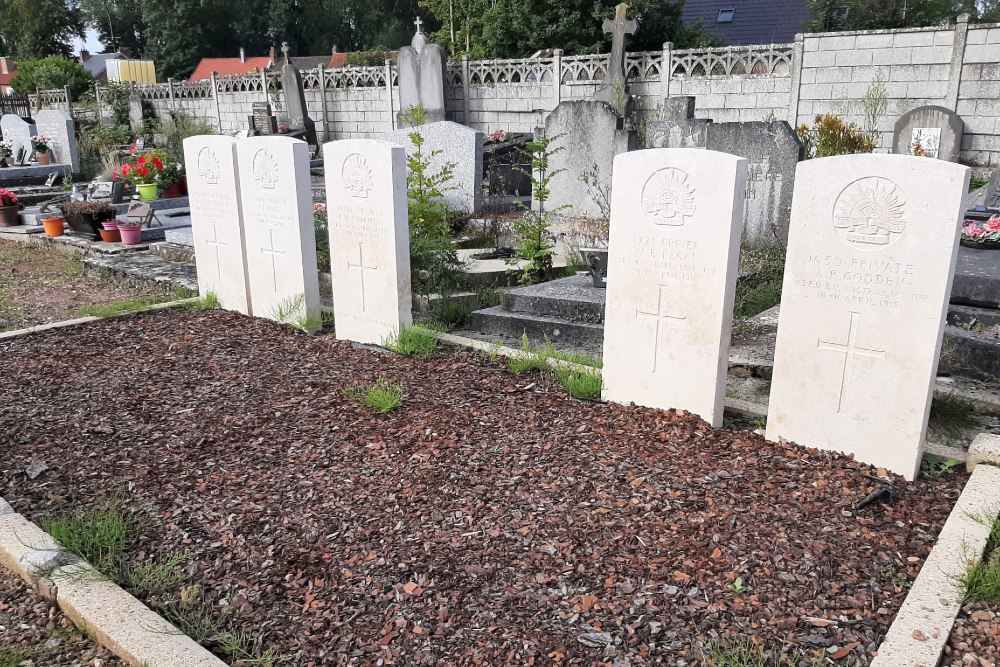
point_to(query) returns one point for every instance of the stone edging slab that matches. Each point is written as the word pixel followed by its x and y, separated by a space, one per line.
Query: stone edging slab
pixel 83 320
pixel 923 625
pixel 106 612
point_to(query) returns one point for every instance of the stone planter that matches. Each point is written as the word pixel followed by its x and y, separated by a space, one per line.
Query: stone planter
pixel 88 225
pixel 9 216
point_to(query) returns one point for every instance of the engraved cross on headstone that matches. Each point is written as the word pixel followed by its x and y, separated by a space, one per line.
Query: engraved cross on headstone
pixel 660 317
pixel 361 267
pixel 850 350
pixel 619 27
pixel 273 252
pixel 216 243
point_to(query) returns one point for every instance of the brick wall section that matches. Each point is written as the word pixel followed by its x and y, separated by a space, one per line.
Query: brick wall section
pixel 957 67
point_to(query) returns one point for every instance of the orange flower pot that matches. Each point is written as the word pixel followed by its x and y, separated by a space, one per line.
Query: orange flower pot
pixel 54 225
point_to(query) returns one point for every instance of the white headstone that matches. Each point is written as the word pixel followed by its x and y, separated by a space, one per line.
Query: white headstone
pixel 369 238
pixel 278 228
pixel 60 128
pixel 18 132
pixel 217 220
pixel 456 144
pixel 676 220
pixel 871 258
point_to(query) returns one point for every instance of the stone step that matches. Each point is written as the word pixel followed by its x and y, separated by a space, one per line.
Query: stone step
pixel 501 322
pixel 573 298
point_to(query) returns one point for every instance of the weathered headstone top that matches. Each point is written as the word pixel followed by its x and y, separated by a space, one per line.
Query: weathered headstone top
pixel 677 127
pixel 217 220
pixel 278 228
pixel 422 76
pixel 618 27
pixel 61 129
pixel 932 131
pixel 773 150
pixel 676 218
pixel 369 238
pixel 300 125
pixel 870 263
pixel 18 132
pixel 456 144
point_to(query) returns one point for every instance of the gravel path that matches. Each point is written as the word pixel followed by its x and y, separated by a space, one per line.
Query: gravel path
pixel 490 520
pixel 32 630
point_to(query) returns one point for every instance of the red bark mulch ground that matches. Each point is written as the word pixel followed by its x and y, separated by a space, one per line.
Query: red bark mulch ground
pixel 490 520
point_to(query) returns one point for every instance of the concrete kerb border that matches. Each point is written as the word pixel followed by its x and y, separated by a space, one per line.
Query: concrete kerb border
pixel 105 611
pixel 923 625
pixel 85 320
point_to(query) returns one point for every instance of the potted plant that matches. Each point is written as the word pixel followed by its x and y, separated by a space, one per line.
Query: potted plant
pixel 40 144
pixel 143 174
pixel 9 208
pixel 86 217
pixel 6 153
pixel 171 179
pixel 110 232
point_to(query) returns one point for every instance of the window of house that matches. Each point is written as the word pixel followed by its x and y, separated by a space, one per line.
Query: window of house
pixel 725 16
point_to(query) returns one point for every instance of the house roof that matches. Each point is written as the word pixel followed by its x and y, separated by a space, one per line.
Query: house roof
pixel 337 60
pixel 97 63
pixel 7 77
pixel 228 66
pixel 749 21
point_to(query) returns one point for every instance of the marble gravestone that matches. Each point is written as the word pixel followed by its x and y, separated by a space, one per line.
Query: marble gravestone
pixel 587 135
pixel 217 220
pixel 369 238
pixel 459 145
pixel 60 128
pixel 422 76
pixel 18 132
pixel 677 127
pixel 869 270
pixel 676 221
pixel 773 150
pixel 280 240
pixel 934 132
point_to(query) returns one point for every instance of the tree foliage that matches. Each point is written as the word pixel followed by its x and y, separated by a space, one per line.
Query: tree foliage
pixel 38 28
pixel 118 23
pixel 51 73
pixel 837 15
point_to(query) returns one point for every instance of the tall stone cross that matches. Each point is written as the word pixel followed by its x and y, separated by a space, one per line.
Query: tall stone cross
pixel 619 27
pixel 418 23
pixel 284 50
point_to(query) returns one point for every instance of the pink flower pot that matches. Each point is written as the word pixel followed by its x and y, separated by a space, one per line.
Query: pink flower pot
pixel 131 235
pixel 109 225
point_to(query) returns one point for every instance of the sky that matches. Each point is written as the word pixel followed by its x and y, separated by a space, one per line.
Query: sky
pixel 91 43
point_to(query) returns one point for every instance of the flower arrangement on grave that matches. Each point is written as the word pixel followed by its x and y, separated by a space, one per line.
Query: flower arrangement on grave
pixel 143 172
pixel 7 198
pixel 981 234
pixel 6 150
pixel 282 128
pixel 9 206
pixel 918 150
pixel 497 137
pixel 40 144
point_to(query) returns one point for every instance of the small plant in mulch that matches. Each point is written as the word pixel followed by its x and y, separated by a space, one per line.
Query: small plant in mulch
pixel 580 384
pixel 981 581
pixel 746 653
pixel 382 397
pixel 11 656
pixel 584 384
pixel 448 316
pixel 208 302
pixel 951 415
pixel 415 341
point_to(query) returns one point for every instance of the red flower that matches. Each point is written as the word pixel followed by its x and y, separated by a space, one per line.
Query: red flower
pixel 142 160
pixel 125 169
pixel 143 171
pixel 158 164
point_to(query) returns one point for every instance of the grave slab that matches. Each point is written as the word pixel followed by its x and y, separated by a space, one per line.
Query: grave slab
pixel 871 259
pixel 217 220
pixel 280 242
pixel 676 221
pixel 369 239
pixel 459 145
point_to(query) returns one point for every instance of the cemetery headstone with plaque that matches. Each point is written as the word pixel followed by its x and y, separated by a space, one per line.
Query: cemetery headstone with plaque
pixel 280 241
pixel 676 220
pixel 217 220
pixel 868 275
pixel 263 121
pixel 60 128
pixel 369 238
pixel 934 132
pixel 18 132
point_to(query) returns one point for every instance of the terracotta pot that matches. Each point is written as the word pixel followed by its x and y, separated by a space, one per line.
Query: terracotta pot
pixel 175 190
pixel 43 158
pixel 131 235
pixel 54 225
pixel 9 217
pixel 111 235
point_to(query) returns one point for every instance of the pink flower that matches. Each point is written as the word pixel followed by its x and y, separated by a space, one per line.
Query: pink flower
pixel 994 224
pixel 974 232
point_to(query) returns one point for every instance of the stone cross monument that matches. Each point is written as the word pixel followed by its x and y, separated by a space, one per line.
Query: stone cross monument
pixel 619 28
pixel 300 125
pixel 422 76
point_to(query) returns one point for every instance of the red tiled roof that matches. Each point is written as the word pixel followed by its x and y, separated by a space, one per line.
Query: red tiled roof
pixel 338 60
pixel 5 79
pixel 228 66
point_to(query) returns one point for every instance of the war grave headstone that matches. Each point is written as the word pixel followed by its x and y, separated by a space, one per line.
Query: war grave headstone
pixel 61 129
pixel 619 27
pixel 869 270
pixel 300 125
pixel 456 144
pixel 590 135
pixel 931 131
pixel 263 122
pixel 422 76
pixel 217 220
pixel 278 229
pixel 676 221
pixel 369 238
pixel 773 150
pixel 677 127
pixel 18 132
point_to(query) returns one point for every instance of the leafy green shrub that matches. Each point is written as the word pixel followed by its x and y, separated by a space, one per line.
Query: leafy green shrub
pixel 320 224
pixel 533 240
pixel 371 58
pixel 830 136
pixel 448 316
pixel 759 287
pixel 51 73
pixel 177 127
pixel 415 341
